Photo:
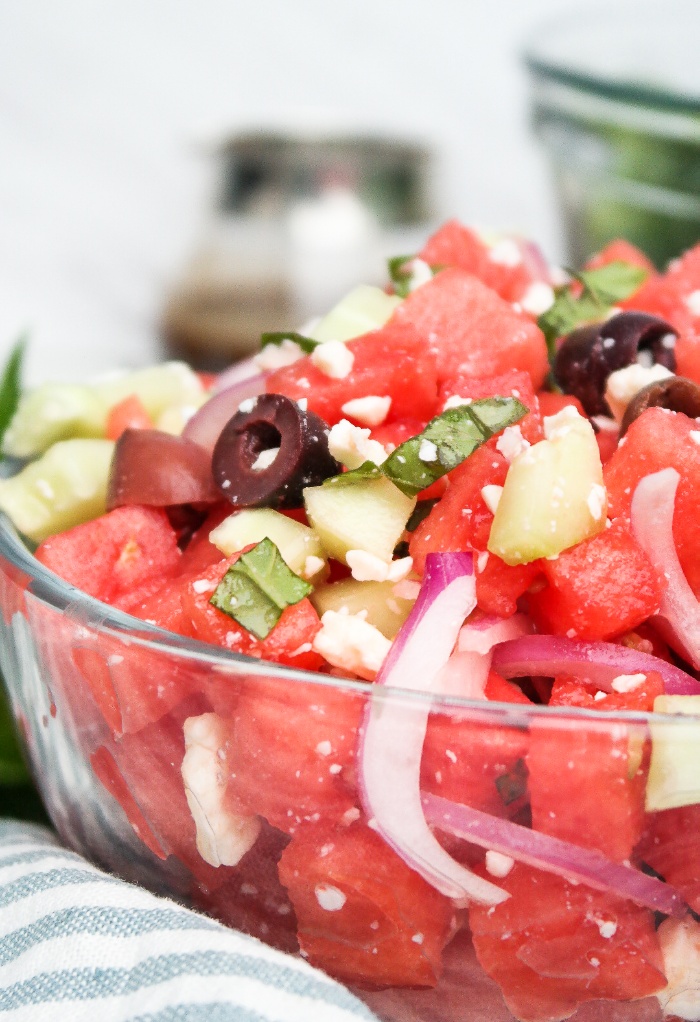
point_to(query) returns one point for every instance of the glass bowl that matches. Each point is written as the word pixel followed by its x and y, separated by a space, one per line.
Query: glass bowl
pixel 104 702
pixel 615 99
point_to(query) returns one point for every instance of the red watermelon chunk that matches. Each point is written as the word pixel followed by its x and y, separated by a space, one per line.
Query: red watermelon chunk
pixel 621 251
pixel 670 846
pixel 456 245
pixel 364 916
pixel 553 945
pixel 587 778
pixel 114 554
pixel 472 330
pixel 660 439
pixel 293 752
pixel 391 362
pixel 598 589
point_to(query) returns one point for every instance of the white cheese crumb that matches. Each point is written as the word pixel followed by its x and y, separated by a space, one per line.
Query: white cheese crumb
pixel 303 403
pixel 420 274
pixel 204 585
pixel 563 422
pixel 597 500
pixel 222 836
pixel 367 567
pixel 265 459
pixel 312 566
pixel 277 356
pixel 628 682
pixel 248 405
pixel 418 938
pixel 680 947
pixel 329 898
pixel 505 252
pixel 352 445
pixel 350 642
pixel 695 436
pixel 349 816
pixel 625 383
pixel 370 411
pixel 692 301
pixel 498 864
pixel 491 495
pixel 407 589
pixel 482 559
pixel 333 359
pixel 538 298
pixel 427 451
pixel 324 748
pixel 455 401
pixel 511 443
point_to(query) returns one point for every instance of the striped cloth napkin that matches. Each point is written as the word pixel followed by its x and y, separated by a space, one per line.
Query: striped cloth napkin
pixel 78 945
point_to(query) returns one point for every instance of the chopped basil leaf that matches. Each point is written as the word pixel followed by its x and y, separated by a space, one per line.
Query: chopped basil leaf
pixel 367 470
pixel 400 273
pixel 513 785
pixel 11 385
pixel 420 513
pixel 307 344
pixel 447 440
pixel 258 587
pixel 602 288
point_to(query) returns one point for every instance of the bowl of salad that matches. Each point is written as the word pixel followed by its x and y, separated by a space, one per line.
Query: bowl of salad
pixel 615 98
pixel 384 645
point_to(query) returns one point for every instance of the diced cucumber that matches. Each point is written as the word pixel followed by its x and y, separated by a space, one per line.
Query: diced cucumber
pixel 553 497
pixel 370 514
pixel 157 387
pixel 385 611
pixel 365 308
pixel 66 486
pixel 53 412
pixel 674 768
pixel 64 411
pixel 295 542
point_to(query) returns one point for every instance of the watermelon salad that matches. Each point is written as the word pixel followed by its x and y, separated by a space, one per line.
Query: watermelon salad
pixel 468 504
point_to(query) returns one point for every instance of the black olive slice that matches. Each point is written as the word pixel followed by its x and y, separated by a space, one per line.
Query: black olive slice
pixel 676 393
pixel 591 353
pixel 266 455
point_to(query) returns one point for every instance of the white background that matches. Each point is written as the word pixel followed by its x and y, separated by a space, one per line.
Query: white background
pixel 107 110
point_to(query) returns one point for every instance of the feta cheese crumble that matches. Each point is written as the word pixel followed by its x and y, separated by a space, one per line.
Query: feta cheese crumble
pixel 628 682
pixel 427 451
pixel 350 642
pixel 538 298
pixel 277 356
pixel 367 567
pixel 333 359
pixel 352 446
pixel 370 411
pixel 498 864
pixel 625 383
pixel 506 252
pixel 330 898
pixel 491 495
pixel 265 459
pixel 511 443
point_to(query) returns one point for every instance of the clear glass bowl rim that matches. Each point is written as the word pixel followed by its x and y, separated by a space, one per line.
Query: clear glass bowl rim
pixel 65 598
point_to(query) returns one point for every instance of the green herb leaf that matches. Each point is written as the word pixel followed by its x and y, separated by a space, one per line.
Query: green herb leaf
pixel 258 587
pixel 367 470
pixel 11 385
pixel 400 273
pixel 447 440
pixel 307 344
pixel 602 288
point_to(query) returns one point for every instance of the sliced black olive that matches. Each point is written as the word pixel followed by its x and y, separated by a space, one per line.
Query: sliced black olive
pixel 265 456
pixel 591 353
pixel 676 393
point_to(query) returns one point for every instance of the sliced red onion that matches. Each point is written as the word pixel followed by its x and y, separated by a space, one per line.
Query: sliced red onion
pixel 158 469
pixel 598 663
pixel 464 675
pixel 482 634
pixel 207 423
pixel 535 261
pixel 239 372
pixel 574 863
pixel 394 728
pixel 678 618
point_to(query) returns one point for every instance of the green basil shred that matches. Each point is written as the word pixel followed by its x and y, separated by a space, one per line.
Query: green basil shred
pixel 257 588
pixel 449 438
pixel 11 385
pixel 307 344
pixel 602 289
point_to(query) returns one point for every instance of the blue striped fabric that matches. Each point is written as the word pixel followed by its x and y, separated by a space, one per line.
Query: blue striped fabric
pixel 80 946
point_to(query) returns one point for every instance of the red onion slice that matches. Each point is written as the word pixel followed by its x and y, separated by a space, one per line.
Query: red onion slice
pixel 481 635
pixel 158 469
pixel 678 618
pixel 238 373
pixel 207 423
pixel 574 863
pixel 598 663
pixel 393 732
